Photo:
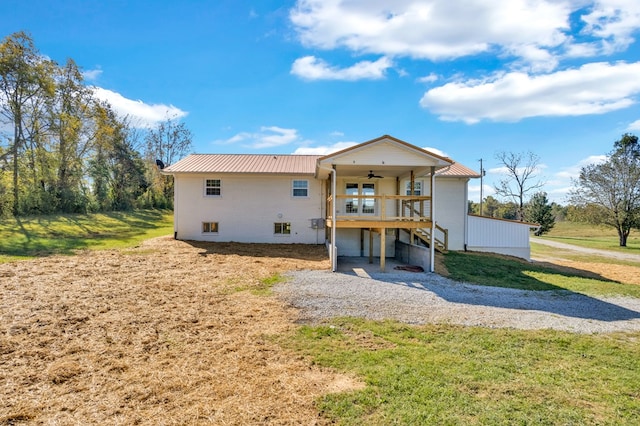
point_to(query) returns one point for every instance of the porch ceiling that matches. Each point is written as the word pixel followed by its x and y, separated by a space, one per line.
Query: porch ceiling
pixel 385 171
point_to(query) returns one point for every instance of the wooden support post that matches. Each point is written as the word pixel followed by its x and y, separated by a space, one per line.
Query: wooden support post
pixel 370 246
pixel 383 246
pixel 397 207
pixel 412 193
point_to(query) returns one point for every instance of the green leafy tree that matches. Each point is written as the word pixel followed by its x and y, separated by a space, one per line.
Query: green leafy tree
pixel 507 210
pixel 559 211
pixel 71 128
pixel 116 168
pixel 611 190
pixel 541 212
pixel 25 80
pixel 491 206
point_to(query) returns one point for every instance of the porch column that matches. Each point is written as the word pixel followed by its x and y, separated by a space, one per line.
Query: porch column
pixel 383 243
pixel 432 245
pixel 334 249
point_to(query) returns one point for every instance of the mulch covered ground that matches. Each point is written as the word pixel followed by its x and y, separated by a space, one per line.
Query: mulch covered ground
pixel 167 333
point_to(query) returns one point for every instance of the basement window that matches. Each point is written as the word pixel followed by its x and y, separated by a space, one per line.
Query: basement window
pixel 209 227
pixel 282 228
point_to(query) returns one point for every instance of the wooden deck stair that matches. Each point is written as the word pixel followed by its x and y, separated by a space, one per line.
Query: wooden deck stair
pixel 424 236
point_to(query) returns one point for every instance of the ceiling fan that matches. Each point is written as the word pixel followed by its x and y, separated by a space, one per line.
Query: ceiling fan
pixel 371 175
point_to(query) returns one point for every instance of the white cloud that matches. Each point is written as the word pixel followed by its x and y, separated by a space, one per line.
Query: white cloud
pixel 141 114
pixel 474 191
pixel 532 35
pixel 91 75
pixel 594 88
pixel 613 22
pixel 312 68
pixel 428 78
pixel 436 151
pixel 267 137
pixel 324 149
pixel 634 126
pixel 572 172
pixel 504 171
pixel 431 29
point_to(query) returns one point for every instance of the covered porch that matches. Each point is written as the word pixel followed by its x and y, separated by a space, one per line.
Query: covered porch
pixel 385 189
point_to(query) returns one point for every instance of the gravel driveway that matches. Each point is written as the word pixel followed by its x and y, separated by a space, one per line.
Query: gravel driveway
pixel 419 298
pixel 585 250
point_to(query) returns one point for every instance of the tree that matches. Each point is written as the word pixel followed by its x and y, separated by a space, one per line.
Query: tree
pixel 612 188
pixel 116 168
pixel 168 142
pixel 540 211
pixel 491 206
pixel 521 171
pixel 70 119
pixel 25 78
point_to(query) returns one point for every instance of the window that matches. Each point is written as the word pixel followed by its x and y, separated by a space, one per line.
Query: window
pixel 209 227
pixel 300 188
pixel 212 187
pixel 282 228
pixel 368 204
pixel 359 204
pixel 417 187
pixel 352 203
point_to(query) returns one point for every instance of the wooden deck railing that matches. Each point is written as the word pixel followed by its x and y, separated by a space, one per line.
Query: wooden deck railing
pixel 380 207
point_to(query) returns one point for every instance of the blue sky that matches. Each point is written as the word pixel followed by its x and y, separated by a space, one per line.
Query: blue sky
pixel 560 78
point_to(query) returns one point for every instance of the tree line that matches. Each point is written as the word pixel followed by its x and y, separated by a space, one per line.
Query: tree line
pixel 63 150
pixel 607 193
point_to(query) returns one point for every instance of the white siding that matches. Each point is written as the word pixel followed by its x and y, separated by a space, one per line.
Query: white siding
pixel 248 208
pixel 451 209
pixel 499 236
pixel 387 153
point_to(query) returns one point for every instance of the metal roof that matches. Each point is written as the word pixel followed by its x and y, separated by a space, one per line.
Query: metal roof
pixel 245 163
pixel 457 170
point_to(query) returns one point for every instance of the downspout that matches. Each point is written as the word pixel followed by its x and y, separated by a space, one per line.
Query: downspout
pixel 432 245
pixel 466 215
pixel 334 258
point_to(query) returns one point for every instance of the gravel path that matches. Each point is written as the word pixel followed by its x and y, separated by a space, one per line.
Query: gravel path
pixel 419 298
pixel 597 252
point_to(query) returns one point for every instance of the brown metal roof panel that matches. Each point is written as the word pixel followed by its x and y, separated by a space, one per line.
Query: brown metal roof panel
pixel 457 170
pixel 245 163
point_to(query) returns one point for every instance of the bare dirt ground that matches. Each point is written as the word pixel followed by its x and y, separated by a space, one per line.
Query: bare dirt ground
pixel 167 333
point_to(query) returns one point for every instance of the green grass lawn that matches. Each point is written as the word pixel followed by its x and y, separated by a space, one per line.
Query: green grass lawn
pixel 592 236
pixel 453 375
pixel 503 271
pixel 28 237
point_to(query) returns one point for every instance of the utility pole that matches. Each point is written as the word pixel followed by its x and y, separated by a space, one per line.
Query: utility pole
pixel 482 173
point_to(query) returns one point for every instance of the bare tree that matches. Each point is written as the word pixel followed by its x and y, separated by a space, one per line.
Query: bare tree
pixel 522 173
